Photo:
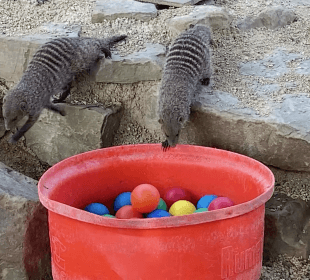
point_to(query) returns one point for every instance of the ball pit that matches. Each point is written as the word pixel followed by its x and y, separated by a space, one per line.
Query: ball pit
pixel 205 242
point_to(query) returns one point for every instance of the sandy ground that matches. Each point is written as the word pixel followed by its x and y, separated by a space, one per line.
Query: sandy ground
pixel 231 47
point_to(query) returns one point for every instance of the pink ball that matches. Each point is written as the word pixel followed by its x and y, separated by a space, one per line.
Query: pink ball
pixel 174 194
pixel 220 202
pixel 127 212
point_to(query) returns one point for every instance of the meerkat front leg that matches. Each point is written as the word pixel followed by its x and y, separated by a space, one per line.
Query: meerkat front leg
pixel 29 123
pixel 56 108
pixel 64 94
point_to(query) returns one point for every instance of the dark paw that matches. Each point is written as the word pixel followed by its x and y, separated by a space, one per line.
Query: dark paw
pixel 62 112
pixel 58 101
pixel 205 81
pixel 165 145
pixel 107 53
pixel 13 140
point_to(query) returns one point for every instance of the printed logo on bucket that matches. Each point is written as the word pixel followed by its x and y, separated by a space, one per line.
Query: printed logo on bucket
pixel 57 248
pixel 234 262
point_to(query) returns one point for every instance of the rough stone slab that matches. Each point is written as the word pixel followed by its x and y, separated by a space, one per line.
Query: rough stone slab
pixel 54 137
pixel 220 120
pixel 273 65
pixel 113 9
pixel 145 65
pixel 16 52
pixel 272 18
pixel 215 17
pixel 287 227
pixel 173 3
pixel 61 29
pixel 18 205
pixel 295 2
pixel 281 139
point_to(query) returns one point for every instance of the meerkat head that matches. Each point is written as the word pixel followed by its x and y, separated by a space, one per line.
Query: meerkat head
pixel 203 30
pixel 171 125
pixel 13 111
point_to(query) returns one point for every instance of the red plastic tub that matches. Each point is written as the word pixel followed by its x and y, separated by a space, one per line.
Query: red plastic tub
pixel 221 244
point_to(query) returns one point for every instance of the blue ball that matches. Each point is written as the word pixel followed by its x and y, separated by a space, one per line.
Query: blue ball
pixel 122 200
pixel 158 213
pixel 97 208
pixel 205 201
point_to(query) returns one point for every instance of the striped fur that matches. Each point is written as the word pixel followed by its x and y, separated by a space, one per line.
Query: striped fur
pixel 51 71
pixel 187 63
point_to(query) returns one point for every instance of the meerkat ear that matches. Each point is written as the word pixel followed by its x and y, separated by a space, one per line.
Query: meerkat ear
pixel 23 106
pixel 161 121
pixel 180 119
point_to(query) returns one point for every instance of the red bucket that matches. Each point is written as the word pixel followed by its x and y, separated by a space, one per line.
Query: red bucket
pixel 220 244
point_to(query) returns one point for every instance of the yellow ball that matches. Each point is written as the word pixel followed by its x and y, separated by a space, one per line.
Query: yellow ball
pixel 182 207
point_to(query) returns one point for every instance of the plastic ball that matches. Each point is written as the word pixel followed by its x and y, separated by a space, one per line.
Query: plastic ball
pixel 174 194
pixel 145 198
pixel 97 208
pixel 122 200
pixel 158 213
pixel 127 212
pixel 108 216
pixel 220 202
pixel 201 210
pixel 182 207
pixel 162 204
pixel 205 201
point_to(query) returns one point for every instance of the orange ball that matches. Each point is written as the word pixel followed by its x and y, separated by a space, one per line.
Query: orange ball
pixel 127 212
pixel 145 198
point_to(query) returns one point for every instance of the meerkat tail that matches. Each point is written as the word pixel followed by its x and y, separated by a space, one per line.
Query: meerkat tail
pixel 109 42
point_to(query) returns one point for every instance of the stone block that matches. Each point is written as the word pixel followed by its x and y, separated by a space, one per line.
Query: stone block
pixel 54 137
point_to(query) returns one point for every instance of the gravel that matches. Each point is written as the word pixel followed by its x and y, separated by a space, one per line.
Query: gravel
pixel 230 49
pixel 231 46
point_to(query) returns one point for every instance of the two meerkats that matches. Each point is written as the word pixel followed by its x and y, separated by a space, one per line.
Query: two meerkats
pixel 57 63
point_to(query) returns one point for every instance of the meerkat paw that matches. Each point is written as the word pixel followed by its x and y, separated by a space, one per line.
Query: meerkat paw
pixel 165 145
pixel 56 108
pixel 13 139
pixel 205 81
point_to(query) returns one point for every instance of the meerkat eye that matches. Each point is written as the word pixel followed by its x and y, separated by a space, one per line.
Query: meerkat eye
pixel 14 119
pixel 166 135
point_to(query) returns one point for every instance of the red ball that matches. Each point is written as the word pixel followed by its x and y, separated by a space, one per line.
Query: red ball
pixel 145 198
pixel 220 202
pixel 127 212
pixel 174 194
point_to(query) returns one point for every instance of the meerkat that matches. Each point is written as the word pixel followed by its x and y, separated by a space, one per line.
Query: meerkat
pixel 188 62
pixel 51 71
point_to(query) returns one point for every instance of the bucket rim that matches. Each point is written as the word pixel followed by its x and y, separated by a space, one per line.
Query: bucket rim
pixel 164 222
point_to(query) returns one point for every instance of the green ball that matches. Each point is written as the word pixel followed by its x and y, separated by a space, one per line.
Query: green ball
pixel 108 216
pixel 201 210
pixel 162 205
